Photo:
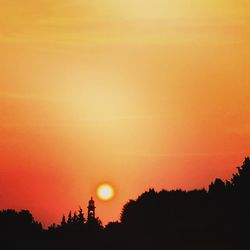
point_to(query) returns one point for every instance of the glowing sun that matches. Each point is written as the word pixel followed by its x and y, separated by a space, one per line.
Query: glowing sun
pixel 105 192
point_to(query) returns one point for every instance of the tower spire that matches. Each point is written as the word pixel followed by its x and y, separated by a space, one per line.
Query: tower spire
pixel 91 209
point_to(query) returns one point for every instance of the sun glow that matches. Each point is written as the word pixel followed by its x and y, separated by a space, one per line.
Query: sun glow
pixel 105 192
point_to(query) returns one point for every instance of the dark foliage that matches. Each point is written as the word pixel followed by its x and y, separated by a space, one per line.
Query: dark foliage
pixel 19 229
pixel 215 219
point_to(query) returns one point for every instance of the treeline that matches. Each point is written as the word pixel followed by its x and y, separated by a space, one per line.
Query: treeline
pixel 217 218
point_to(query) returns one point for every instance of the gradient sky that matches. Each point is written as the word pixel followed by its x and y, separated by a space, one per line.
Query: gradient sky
pixel 136 93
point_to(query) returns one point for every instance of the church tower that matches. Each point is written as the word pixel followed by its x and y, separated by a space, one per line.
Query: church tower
pixel 91 209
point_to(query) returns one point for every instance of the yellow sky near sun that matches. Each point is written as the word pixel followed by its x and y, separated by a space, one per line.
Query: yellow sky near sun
pixel 104 22
pixel 132 92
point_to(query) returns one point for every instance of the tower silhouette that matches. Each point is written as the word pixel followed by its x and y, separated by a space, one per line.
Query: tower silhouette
pixel 91 209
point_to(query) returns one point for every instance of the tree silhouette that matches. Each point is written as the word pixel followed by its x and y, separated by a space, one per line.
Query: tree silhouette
pixel 80 219
pixel 241 180
pixel 63 221
pixel 218 187
pixel 70 219
pixel 216 219
pixel 19 228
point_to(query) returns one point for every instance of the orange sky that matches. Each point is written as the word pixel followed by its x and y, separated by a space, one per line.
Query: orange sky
pixel 136 93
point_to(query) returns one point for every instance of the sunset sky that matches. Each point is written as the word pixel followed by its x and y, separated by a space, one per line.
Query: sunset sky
pixel 134 93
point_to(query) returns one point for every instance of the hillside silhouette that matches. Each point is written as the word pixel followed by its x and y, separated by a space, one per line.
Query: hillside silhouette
pixel 217 218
